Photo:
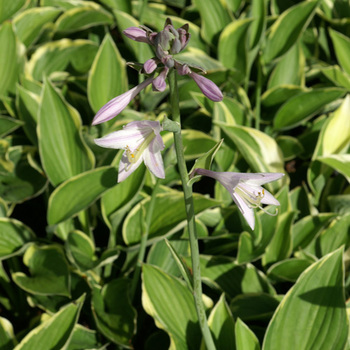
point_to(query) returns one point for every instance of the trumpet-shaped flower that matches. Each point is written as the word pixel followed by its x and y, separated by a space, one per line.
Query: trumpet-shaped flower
pixel 141 141
pixel 245 189
pixel 119 103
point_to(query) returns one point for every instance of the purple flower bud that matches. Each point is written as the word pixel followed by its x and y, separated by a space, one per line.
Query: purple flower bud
pixel 159 83
pixel 149 66
pixel 168 61
pixel 207 87
pixel 184 37
pixel 183 69
pixel 118 104
pixel 163 39
pixel 176 46
pixel 137 34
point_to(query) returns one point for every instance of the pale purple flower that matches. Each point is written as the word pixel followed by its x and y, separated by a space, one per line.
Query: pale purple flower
pixel 150 66
pixel 137 34
pixel 159 83
pixel 119 103
pixel 141 141
pixel 245 189
pixel 207 87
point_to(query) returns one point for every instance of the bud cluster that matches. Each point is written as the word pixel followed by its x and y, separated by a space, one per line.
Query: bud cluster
pixel 167 43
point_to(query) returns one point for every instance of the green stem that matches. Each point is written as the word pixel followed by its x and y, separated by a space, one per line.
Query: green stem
pixel 197 284
pixel 143 243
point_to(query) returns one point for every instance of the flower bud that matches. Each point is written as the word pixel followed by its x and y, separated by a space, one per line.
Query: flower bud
pixel 159 83
pixel 149 66
pixel 208 88
pixel 137 34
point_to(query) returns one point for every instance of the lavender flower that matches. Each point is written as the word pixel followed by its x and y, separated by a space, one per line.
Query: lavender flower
pixel 141 141
pixel 119 103
pixel 245 189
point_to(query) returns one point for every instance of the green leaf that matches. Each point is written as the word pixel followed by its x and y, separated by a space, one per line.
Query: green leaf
pixel 13 235
pixel 175 247
pixel 340 203
pixel 339 162
pixel 169 215
pixel 302 107
pixel 81 249
pixel 8 8
pixel 287 29
pixel 107 77
pixel 27 104
pixel 274 98
pixel 122 193
pixel 289 70
pixel 195 143
pixel 290 146
pixel 8 340
pixel 225 275
pixel 335 235
pixel 335 134
pixel 79 192
pixel 222 325
pixel 62 149
pixel 31 22
pixel 316 299
pixel 259 306
pixel 178 317
pixel 113 313
pixel 25 180
pixel 48 269
pixel 257 28
pixel 8 125
pixel 233 47
pixel 306 229
pixel 11 59
pixel 214 17
pixel 245 338
pixel 60 55
pixel 204 161
pixel 280 246
pixel 337 76
pixel 83 338
pixel 289 269
pixel 54 333
pixel 341 45
pixel 259 150
pixel 83 17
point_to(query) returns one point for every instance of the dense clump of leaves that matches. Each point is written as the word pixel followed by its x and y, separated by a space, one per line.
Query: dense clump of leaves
pixel 69 234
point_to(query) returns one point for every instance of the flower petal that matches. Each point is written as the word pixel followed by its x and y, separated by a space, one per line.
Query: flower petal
pixel 260 178
pixel 117 104
pixel 153 158
pixel 269 199
pixel 208 88
pixel 126 168
pixel 131 137
pixel 154 163
pixel 247 212
pixel 228 179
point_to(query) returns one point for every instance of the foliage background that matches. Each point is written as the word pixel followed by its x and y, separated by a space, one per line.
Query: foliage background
pixel 69 234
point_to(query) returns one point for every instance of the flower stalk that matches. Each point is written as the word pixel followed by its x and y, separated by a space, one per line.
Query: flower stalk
pixel 189 205
pixel 143 243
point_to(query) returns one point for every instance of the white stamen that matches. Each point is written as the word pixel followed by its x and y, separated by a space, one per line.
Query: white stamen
pixel 253 199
